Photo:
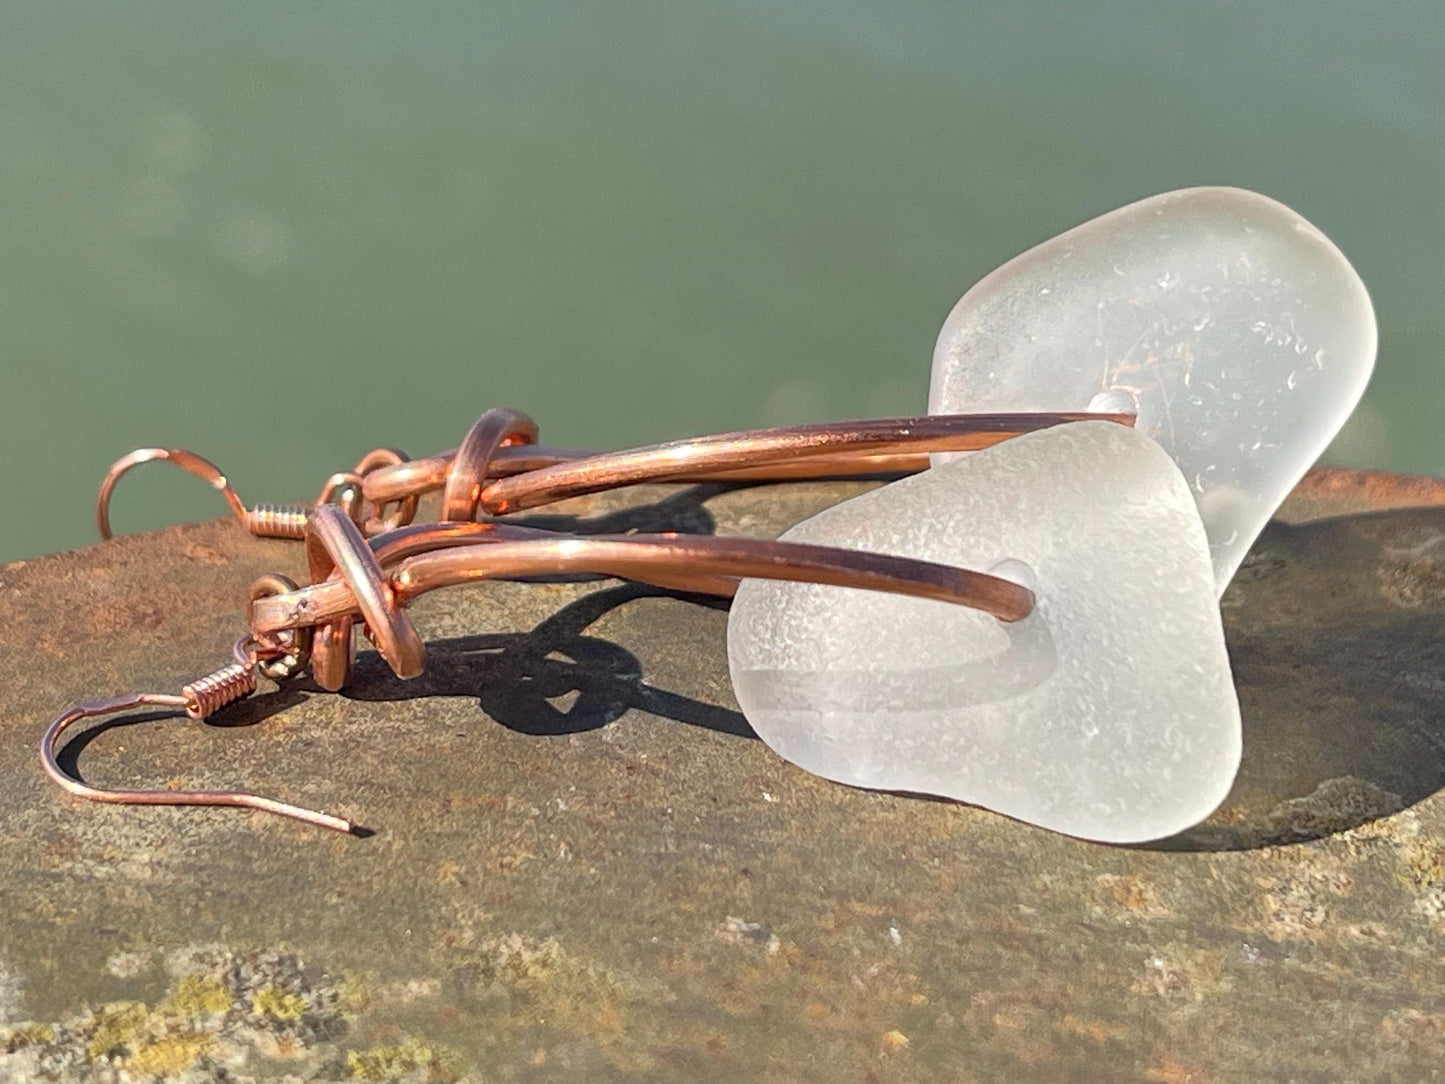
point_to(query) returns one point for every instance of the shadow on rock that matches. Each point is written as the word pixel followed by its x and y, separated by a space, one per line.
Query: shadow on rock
pixel 552 680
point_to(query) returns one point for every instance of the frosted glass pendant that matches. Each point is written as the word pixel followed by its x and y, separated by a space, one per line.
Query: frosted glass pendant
pixel 1240 331
pixel 1108 713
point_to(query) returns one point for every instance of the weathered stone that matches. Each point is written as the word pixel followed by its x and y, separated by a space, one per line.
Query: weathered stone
pixel 584 867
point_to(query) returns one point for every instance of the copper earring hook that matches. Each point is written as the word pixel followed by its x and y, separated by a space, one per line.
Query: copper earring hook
pixel 268 520
pixel 198 700
pixel 189 462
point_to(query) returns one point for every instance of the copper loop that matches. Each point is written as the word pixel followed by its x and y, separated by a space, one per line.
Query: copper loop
pixel 377 521
pixel 333 653
pixel 290 652
pixel 498 428
pixel 334 543
pixel 343 489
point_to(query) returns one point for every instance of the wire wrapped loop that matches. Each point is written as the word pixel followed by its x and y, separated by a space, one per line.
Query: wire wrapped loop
pixel 334 545
pixel 498 428
pixel 290 650
pixel 378 520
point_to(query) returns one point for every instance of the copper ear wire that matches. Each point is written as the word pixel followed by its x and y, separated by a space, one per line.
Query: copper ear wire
pixel 189 462
pixel 499 468
pixel 270 520
pixel 198 700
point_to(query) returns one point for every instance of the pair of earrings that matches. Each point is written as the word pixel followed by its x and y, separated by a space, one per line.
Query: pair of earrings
pixel 1084 684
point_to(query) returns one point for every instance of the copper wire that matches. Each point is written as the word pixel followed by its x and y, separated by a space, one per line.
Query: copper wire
pixel 528 476
pixel 687 562
pixel 200 697
pixel 499 468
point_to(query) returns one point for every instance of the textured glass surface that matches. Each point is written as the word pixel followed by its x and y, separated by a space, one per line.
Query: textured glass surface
pixel 1109 713
pixel 1242 332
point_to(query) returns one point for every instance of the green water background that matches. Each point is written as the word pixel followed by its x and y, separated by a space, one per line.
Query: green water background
pixel 281 234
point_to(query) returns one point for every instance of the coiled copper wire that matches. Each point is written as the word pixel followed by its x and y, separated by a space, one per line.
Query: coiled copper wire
pixel 209 694
pixel 278 520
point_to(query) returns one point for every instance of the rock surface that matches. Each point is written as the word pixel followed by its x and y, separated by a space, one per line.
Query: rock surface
pixel 585 868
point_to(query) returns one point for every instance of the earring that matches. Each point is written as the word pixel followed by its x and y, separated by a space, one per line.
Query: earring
pixel 1108 713
pixel 498 468
pixel 374 582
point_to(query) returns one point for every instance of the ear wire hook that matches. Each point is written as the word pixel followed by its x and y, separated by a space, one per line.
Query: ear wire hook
pixel 189 462
pixel 267 520
pixel 198 700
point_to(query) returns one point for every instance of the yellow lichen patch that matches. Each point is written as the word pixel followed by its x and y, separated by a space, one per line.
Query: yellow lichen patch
pixel 355 997
pixel 555 989
pixel 1422 863
pixel 278 1004
pixel 382 1063
pixel 23 1035
pixel 197 994
pixel 169 1056
pixel 117 1025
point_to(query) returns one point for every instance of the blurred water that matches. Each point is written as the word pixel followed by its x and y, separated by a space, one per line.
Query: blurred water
pixel 283 234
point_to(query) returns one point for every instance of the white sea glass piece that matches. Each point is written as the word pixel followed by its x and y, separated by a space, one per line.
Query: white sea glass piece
pixel 1108 713
pixel 1239 329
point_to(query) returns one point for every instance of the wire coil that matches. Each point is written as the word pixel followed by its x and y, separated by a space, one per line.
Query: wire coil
pixel 209 694
pixel 278 520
